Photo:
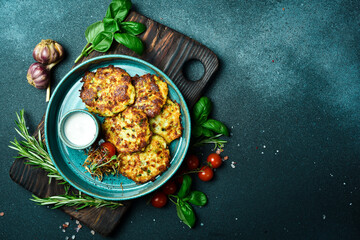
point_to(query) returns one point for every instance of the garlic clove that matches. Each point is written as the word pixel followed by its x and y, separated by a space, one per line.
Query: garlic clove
pixel 38 75
pixel 48 52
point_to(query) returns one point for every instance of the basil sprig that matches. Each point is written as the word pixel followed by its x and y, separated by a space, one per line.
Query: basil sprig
pixel 100 35
pixel 184 197
pixel 202 110
pixel 203 128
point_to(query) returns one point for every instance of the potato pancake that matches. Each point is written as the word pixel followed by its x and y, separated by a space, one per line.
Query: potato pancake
pixel 151 94
pixel 129 131
pixel 108 91
pixel 142 167
pixel 168 124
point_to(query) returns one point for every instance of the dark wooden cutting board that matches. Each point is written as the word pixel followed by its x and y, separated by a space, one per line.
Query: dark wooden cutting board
pixel 166 49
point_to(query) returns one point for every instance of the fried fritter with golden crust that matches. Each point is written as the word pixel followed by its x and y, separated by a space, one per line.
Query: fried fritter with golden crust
pixel 129 131
pixel 151 94
pixel 142 167
pixel 168 123
pixel 108 91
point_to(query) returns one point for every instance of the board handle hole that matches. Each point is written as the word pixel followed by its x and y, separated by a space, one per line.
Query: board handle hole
pixel 193 70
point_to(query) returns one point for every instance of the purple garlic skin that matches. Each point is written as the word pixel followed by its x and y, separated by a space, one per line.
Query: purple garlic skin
pixel 48 52
pixel 38 75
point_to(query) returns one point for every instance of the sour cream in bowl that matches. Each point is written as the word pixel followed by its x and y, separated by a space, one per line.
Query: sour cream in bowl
pixel 78 129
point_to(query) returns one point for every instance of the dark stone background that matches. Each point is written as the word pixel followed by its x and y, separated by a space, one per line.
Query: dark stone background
pixel 288 88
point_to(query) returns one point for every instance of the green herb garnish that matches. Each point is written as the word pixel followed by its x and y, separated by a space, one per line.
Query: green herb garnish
pixel 33 149
pixel 203 128
pixel 100 35
pixel 96 166
pixel 183 199
pixel 81 201
pixel 74 200
pixel 218 143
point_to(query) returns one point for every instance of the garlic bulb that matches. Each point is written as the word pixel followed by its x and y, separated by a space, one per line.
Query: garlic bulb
pixel 48 52
pixel 38 75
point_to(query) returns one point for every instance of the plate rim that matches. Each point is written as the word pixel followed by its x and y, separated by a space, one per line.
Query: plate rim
pixel 116 56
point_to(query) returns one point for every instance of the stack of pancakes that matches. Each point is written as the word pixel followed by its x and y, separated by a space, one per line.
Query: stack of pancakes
pixel 140 119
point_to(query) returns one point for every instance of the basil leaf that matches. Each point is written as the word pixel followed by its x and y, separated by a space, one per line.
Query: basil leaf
pixel 130 41
pixel 197 198
pixel 124 2
pixel 112 9
pixel 110 25
pixel 216 126
pixel 207 133
pixel 133 28
pixel 118 10
pixel 93 30
pixel 202 110
pixel 185 213
pixel 196 131
pixel 185 186
pixel 103 41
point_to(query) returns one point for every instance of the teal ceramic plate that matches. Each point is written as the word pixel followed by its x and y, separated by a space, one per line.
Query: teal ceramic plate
pixel 69 161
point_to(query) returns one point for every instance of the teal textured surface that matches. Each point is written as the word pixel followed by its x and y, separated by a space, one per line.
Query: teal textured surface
pixel 69 161
pixel 288 80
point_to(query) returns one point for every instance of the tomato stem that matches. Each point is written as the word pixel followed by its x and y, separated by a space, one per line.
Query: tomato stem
pixel 194 171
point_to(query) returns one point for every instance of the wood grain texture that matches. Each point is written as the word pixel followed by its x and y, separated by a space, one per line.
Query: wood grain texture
pixel 166 49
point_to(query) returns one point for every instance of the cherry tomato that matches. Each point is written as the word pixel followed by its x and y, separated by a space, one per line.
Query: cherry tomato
pixel 214 160
pixel 206 173
pixel 109 148
pixel 169 187
pixel 192 162
pixel 159 200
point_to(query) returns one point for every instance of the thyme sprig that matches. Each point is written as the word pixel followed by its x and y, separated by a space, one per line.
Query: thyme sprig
pixel 36 153
pixel 214 139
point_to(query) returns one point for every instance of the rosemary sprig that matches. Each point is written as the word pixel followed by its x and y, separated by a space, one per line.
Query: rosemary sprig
pixel 81 201
pixel 35 151
pixel 215 140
